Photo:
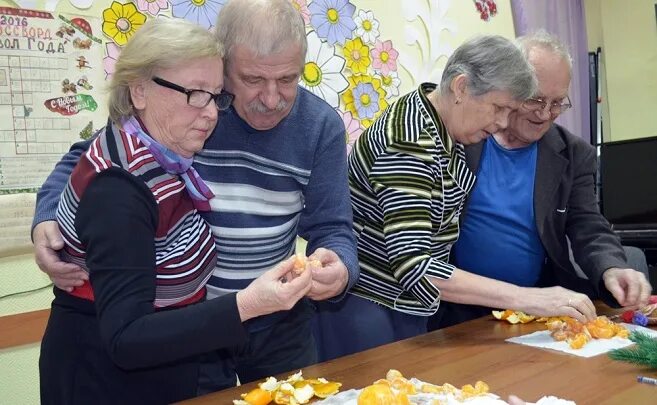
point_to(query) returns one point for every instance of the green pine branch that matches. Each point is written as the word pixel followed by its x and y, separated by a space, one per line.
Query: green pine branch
pixel 644 353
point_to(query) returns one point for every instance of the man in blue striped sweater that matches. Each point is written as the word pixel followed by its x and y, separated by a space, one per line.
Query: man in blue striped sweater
pixel 276 163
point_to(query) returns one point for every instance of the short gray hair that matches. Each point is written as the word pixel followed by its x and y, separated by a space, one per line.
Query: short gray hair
pixel 490 62
pixel 544 40
pixel 161 43
pixel 266 27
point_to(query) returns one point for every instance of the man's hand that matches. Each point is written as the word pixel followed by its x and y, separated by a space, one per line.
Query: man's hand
pixel 329 280
pixel 628 286
pixel 276 290
pixel 47 240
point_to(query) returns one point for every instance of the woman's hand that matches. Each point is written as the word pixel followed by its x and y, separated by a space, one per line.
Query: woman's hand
pixel 556 301
pixel 278 289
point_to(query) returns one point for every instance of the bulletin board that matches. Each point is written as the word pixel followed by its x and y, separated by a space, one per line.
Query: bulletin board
pixel 51 84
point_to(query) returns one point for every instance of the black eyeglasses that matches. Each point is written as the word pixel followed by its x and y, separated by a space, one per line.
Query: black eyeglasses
pixel 556 108
pixel 199 98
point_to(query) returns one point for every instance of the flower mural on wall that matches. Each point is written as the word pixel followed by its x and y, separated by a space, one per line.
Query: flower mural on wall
pixel 202 12
pixel 152 7
pixel 366 26
pixel 353 129
pixel 333 19
pixel 322 72
pixel 365 98
pixel 302 8
pixel 357 55
pixel 486 9
pixel 358 85
pixel 428 21
pixel 112 50
pixel 384 57
pixel 121 21
pixel 390 84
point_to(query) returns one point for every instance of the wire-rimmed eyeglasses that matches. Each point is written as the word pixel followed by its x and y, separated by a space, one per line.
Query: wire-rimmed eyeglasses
pixel 199 98
pixel 556 107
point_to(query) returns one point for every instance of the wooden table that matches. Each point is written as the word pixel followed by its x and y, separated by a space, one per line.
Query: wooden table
pixel 476 350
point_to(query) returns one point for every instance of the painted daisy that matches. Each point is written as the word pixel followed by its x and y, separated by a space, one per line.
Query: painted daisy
pixel 366 26
pixel 332 19
pixel 202 12
pixel 390 84
pixel 357 55
pixel 384 57
pixel 121 21
pixel 322 73
pixel 365 98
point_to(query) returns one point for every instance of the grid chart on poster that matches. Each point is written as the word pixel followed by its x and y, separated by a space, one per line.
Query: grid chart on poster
pixel 28 140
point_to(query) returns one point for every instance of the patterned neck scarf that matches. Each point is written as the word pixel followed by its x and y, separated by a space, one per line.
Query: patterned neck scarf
pixel 173 163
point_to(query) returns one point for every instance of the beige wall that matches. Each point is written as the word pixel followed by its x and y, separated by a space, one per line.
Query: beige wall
pixel 627 33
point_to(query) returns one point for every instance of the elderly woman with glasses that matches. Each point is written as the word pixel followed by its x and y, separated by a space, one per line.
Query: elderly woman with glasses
pixel 533 201
pixel 136 331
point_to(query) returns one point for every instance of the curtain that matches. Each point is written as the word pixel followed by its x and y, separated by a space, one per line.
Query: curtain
pixel 565 20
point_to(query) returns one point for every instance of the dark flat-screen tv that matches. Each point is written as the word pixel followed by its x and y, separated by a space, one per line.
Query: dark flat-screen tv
pixel 628 183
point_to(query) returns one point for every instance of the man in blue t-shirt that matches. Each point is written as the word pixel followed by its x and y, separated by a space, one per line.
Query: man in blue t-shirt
pixel 533 195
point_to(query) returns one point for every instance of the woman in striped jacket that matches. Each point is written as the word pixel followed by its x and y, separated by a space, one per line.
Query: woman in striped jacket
pixel 408 179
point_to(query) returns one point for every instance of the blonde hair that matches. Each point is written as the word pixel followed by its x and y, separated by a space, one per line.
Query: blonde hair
pixel 266 27
pixel 161 43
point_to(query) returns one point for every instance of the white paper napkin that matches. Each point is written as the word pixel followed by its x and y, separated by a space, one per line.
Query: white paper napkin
pixel 593 348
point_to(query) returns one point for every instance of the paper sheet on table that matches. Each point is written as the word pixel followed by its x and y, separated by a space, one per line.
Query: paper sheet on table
pixel 592 348
pixel 350 397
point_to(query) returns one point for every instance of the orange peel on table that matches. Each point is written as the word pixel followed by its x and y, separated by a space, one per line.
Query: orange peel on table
pixel 301 263
pixel 294 390
pixel 578 334
pixel 513 317
pixel 395 389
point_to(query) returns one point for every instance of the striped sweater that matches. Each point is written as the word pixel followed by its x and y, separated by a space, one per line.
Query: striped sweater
pixel 269 186
pixel 184 248
pixel 408 185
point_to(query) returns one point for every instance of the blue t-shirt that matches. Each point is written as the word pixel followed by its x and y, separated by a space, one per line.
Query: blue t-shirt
pixel 498 236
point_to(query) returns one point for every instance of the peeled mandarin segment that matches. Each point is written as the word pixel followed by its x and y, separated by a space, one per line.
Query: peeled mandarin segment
pixel 377 394
pixel 258 396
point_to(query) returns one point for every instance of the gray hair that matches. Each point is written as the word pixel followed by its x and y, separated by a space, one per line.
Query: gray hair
pixel 266 27
pixel 490 62
pixel 161 43
pixel 544 40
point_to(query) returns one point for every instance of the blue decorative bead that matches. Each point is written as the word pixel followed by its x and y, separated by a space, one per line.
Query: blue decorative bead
pixel 640 319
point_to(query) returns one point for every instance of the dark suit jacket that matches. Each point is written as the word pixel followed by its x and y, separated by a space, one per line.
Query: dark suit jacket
pixel 565 205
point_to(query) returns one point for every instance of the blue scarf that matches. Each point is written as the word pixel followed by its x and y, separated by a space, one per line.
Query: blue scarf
pixel 173 163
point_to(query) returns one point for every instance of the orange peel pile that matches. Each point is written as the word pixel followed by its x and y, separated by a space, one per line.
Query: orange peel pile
pixel 578 334
pixel 294 390
pixel 395 389
pixel 570 330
